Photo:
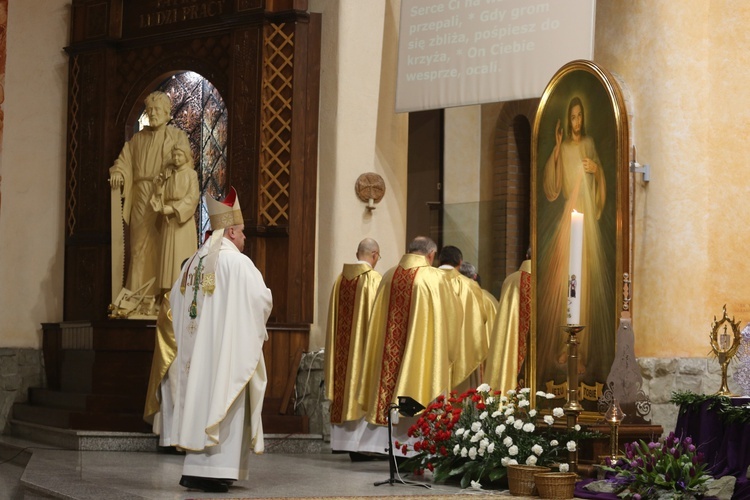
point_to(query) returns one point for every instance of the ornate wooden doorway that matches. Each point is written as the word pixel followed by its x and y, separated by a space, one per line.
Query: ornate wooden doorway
pixel 262 57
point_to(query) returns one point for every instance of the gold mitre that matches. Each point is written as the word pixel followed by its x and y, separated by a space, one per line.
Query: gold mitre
pixel 224 213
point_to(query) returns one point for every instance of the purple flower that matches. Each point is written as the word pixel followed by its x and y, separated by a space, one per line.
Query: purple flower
pixel 692 471
pixel 636 497
pixel 691 448
pixel 649 467
pixel 672 439
pixel 652 445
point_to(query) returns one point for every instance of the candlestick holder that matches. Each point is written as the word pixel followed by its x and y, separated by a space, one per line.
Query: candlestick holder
pixel 572 407
pixel 572 331
pixel 614 416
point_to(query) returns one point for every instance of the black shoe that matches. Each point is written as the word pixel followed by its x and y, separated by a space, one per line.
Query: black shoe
pixel 207 484
pixel 355 456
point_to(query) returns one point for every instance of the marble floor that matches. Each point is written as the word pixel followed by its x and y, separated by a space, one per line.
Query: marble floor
pixel 35 472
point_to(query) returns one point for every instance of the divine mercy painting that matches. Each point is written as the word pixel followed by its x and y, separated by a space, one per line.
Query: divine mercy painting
pixel 578 145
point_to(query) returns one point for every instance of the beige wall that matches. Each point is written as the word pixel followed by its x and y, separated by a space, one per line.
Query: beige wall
pixel 686 64
pixel 33 170
pixel 359 132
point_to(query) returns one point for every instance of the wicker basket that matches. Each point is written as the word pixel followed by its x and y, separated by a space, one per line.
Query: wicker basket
pixel 556 484
pixel 521 479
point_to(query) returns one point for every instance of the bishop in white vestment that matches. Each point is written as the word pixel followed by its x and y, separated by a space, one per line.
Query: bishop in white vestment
pixel 220 305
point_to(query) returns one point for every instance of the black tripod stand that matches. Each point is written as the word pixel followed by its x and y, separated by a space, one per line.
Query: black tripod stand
pixel 391 456
pixel 407 407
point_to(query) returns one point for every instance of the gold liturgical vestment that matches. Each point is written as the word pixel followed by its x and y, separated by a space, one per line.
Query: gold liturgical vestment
pixel 165 351
pixel 411 339
pixel 349 310
pixel 509 337
pixel 473 335
pixel 490 306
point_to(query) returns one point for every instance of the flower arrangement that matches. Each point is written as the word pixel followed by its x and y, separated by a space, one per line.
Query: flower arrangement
pixel 668 468
pixel 476 435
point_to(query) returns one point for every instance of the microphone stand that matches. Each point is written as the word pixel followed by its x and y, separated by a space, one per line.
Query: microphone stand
pixel 391 456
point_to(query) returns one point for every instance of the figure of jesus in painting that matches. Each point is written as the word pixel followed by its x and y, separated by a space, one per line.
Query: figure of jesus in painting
pixel 574 171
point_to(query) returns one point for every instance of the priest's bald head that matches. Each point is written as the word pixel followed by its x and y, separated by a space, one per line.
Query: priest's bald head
pixel 368 251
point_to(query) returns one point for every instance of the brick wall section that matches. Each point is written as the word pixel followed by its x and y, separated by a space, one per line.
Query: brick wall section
pixel 512 185
pixel 19 370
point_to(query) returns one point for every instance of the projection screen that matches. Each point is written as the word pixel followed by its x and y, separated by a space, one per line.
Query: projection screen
pixel 462 52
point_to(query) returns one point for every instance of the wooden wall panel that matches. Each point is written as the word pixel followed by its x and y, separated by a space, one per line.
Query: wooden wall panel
pixel 110 76
pixel 120 51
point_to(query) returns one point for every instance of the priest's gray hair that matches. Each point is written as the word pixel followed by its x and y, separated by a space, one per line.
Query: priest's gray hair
pixel 422 245
pixel 468 270
pixel 367 246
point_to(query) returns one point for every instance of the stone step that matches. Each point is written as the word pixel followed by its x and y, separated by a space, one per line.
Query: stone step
pixel 86 401
pixel 71 419
pixel 70 439
pixel 88 440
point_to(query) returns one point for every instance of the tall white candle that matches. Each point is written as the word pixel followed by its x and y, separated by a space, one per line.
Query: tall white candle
pixel 574 268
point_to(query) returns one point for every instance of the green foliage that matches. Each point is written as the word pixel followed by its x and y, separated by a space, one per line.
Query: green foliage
pixel 722 405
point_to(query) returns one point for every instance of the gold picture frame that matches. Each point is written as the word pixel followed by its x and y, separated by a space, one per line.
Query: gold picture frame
pixel 580 161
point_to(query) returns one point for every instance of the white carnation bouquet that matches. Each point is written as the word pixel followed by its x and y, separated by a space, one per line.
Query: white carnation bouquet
pixel 477 435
